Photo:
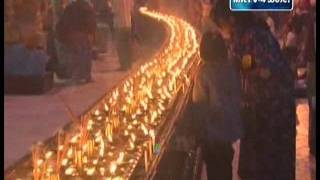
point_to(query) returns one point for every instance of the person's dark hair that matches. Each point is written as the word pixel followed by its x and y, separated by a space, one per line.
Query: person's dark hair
pixel 213 47
pixel 296 23
pixel 222 13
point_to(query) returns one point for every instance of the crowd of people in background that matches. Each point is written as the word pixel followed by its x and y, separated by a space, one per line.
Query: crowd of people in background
pixel 25 44
pixel 75 31
pixel 31 48
pixel 68 35
pixel 264 53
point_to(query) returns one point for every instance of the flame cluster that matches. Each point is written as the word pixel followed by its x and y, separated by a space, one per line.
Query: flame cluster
pixel 122 129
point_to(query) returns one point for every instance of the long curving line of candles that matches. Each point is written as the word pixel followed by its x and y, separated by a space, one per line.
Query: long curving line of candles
pixel 122 129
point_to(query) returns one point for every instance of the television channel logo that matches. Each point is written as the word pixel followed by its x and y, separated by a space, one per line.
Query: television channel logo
pixel 261 5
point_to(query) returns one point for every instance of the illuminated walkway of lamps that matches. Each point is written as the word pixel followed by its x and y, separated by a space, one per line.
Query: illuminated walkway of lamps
pixel 121 130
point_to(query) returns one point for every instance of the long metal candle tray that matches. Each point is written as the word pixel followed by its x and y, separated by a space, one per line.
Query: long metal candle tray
pixel 171 71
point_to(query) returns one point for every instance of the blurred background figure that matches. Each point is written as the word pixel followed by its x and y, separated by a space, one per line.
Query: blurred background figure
pixel 206 22
pixel 194 13
pixel 290 46
pixel 25 42
pixel 270 22
pixel 294 29
pixel 122 16
pixel 24 58
pixel 12 49
pixel 55 47
pixel 27 16
pixel 105 26
pixel 76 29
pixel 48 22
pixel 8 11
pixel 110 19
pixel 136 19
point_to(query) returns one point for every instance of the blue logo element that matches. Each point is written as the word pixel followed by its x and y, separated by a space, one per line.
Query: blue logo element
pixel 261 5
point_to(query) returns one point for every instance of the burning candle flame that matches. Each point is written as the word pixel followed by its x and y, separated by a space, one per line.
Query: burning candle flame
pixel 97 113
pixel 143 96
pixel 113 167
pixel 120 158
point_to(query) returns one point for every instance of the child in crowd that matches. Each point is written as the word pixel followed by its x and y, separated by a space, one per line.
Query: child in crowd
pixel 216 98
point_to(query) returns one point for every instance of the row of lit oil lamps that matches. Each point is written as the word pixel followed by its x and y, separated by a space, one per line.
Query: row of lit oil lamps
pixel 122 129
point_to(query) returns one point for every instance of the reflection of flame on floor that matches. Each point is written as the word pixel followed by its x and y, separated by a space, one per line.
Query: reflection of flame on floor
pixel 305 164
pixel 302 112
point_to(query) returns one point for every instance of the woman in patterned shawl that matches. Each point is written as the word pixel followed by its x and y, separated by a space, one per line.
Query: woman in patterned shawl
pixel 267 150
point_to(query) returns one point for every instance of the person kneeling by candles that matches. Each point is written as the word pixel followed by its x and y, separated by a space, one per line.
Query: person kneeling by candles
pixel 216 100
